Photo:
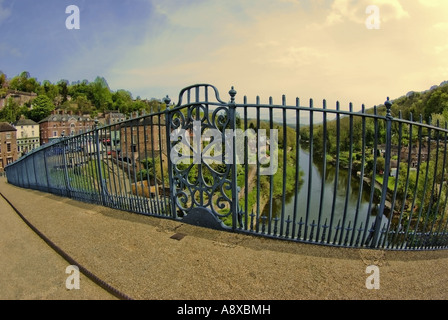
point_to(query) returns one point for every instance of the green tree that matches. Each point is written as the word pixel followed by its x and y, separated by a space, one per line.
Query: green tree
pixel 437 103
pixel 63 89
pixel 2 79
pixel 11 112
pixel 122 101
pixel 101 94
pixel 24 83
pixel 42 107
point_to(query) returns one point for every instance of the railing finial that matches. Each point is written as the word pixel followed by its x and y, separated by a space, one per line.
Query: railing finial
pixel 167 101
pixel 388 105
pixel 232 93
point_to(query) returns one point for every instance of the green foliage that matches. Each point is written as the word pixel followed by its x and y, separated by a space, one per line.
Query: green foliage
pixel 11 112
pixel 42 108
pixel 24 83
pixel 79 96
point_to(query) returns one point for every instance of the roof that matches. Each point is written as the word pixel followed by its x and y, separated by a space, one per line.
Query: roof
pixel 146 121
pixel 5 127
pixel 25 122
pixel 65 117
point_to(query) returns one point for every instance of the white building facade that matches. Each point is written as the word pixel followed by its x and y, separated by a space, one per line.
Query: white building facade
pixel 28 136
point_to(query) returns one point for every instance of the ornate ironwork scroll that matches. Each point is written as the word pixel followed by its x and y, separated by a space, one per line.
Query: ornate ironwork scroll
pixel 201 170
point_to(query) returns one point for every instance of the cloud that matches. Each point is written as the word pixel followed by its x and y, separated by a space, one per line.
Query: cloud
pixel 431 3
pixel 355 11
pixel 5 13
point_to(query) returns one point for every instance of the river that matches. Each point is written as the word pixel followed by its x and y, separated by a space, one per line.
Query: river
pixel 347 210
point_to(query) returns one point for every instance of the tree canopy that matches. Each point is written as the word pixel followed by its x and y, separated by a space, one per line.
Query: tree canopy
pixel 77 96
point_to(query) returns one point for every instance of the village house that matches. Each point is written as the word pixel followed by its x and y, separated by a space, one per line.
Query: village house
pixel 110 117
pixel 61 124
pixel 113 117
pixel 140 137
pixel 8 145
pixel 28 135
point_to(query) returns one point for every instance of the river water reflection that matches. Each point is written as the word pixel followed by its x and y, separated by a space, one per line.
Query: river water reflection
pixel 348 209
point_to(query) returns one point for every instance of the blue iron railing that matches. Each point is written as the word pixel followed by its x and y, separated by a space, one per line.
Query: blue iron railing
pixel 366 179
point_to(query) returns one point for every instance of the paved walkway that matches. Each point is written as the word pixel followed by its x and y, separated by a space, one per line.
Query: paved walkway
pixel 136 255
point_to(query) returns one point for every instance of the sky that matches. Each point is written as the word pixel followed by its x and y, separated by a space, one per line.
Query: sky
pixel 320 49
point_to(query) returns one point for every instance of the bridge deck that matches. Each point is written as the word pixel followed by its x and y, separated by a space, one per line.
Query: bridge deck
pixel 138 256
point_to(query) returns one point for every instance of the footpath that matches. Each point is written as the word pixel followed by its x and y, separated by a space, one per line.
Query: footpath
pixel 139 256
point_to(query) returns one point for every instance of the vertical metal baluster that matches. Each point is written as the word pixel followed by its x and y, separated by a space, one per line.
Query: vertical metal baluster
pixel 103 153
pixel 246 167
pixel 313 225
pixel 424 191
pixel 129 195
pixel 324 227
pixel 151 210
pixel 310 168
pixel 336 178
pixel 297 171
pixel 428 213
pixel 171 185
pixel 258 164
pixel 153 155
pixel 372 182
pixel 361 177
pixel 47 176
pixel 92 167
pixel 349 178
pixel 336 234
pixel 285 164
pixel 271 177
pixel 400 232
pixel 324 168
pixel 113 191
pixel 392 207
pixel 380 214
pixel 235 211
pixel 441 186
pixel 348 229
pixel 167 101
pixel 299 233
pixel 358 238
pixel 416 184
pixel 33 158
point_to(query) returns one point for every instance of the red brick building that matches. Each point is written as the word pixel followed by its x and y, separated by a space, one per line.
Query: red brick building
pixel 63 124
pixel 8 145
pixel 142 135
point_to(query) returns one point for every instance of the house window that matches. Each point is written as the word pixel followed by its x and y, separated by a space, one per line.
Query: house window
pixel 55 133
pixel 8 136
pixel 8 147
pixel 9 161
